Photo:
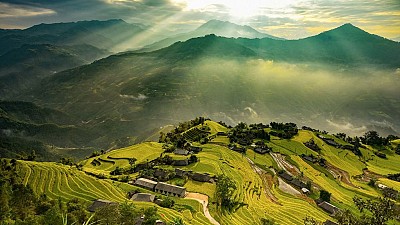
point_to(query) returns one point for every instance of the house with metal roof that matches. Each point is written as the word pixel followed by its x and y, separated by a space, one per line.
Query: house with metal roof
pixel 143 197
pixel 100 203
pixel 146 183
pixel 169 189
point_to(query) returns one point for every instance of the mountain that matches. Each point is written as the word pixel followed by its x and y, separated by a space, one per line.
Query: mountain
pixel 346 44
pixel 119 97
pixel 101 34
pixel 228 29
pixel 217 27
pixel 23 67
pixel 25 126
pixel 207 46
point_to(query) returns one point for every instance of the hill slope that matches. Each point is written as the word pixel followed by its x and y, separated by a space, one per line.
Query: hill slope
pixel 100 34
pixel 24 67
pixel 217 27
pixel 344 174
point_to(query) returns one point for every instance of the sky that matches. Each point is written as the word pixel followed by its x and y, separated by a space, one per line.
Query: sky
pixel 291 19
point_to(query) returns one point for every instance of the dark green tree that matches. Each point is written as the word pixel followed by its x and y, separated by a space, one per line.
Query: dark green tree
pixel 325 196
pixel 225 190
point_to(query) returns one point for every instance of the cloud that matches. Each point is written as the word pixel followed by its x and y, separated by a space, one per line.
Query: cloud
pixel 286 18
pixel 347 127
pixel 8 10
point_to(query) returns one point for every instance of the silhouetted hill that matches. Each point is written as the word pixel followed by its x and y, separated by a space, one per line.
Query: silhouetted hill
pixel 217 27
pixel 24 67
pixel 101 34
pixel 208 46
pixel 346 44
pixel 230 79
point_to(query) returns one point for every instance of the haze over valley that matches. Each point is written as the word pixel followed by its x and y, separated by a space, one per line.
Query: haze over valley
pixel 211 112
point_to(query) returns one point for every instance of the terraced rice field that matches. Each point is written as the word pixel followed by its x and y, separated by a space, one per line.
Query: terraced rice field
pixel 218 159
pixel 63 182
pixel 108 162
pixel 58 181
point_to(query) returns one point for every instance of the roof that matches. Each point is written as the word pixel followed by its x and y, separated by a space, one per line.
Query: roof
pixel 143 182
pixel 286 176
pixel 298 183
pixel 305 190
pixel 179 151
pixel 170 188
pixel 99 203
pixel 143 197
pixel 181 162
pixel 201 177
pixel 328 207
pixel 261 150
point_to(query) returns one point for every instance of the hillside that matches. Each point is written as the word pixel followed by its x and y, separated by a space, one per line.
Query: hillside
pixel 255 175
pixel 216 27
pixel 24 67
pixel 125 97
pixel 100 34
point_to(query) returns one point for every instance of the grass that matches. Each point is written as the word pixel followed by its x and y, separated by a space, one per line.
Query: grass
pixel 109 161
pixel 65 183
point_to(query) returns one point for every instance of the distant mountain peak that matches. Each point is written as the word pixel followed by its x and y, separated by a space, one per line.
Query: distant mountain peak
pixel 347 27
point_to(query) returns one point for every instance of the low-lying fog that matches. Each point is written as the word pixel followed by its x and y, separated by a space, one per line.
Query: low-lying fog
pixel 334 98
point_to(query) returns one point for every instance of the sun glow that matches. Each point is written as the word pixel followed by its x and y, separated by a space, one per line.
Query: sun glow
pixel 237 8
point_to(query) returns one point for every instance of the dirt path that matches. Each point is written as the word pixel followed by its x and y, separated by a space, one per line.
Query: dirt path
pixel 203 199
pixel 263 175
pixel 340 174
pixel 285 187
pixel 280 160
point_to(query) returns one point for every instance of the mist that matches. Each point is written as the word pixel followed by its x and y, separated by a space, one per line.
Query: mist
pixel 326 97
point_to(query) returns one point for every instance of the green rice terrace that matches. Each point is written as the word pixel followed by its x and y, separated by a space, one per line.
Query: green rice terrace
pixel 247 174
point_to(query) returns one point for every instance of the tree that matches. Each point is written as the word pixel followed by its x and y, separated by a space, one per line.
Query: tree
pixel 325 196
pixel 379 212
pixel 225 189
pixel 32 156
pixel 4 202
pixel 398 149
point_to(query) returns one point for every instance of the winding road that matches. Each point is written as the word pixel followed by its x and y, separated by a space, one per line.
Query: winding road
pixel 203 199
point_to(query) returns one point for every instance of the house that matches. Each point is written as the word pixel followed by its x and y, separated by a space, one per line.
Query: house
pixel 261 150
pixel 201 177
pixel 309 158
pixel 180 151
pixel 143 197
pixel 161 174
pixel 194 149
pixel 286 176
pixel 181 162
pixel 305 191
pixel 146 183
pixel 298 183
pixel 180 173
pixel 238 149
pixel 381 186
pixel 159 222
pixel 329 208
pixel 328 222
pixel 169 189
pixel 100 203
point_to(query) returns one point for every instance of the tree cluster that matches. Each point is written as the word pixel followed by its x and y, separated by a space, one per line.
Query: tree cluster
pixel 284 130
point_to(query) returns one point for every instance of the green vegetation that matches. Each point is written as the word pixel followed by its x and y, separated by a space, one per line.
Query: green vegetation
pixel 248 192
